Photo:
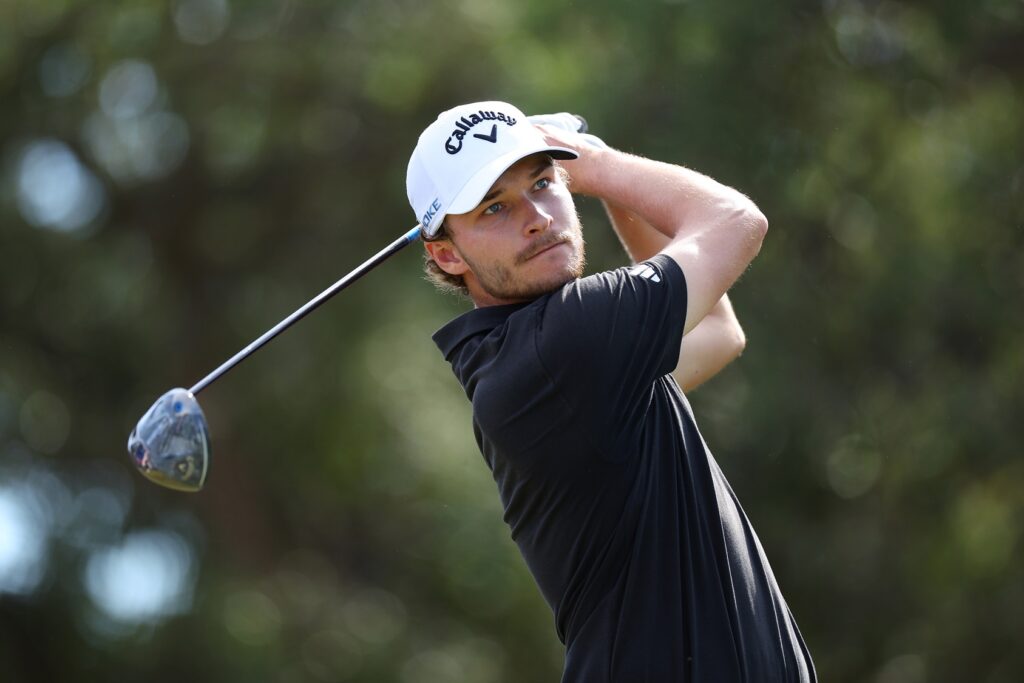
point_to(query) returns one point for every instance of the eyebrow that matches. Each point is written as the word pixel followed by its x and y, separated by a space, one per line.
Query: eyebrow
pixel 544 165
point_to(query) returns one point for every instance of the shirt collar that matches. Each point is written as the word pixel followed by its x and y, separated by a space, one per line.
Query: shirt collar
pixel 471 323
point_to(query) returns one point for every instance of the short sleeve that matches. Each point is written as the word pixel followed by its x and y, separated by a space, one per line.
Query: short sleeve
pixel 606 338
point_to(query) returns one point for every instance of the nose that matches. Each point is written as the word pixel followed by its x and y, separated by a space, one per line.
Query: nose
pixel 537 220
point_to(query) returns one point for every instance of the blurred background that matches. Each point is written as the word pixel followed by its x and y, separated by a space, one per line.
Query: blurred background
pixel 177 176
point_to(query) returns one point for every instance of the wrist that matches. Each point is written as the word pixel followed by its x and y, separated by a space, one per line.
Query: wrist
pixel 587 172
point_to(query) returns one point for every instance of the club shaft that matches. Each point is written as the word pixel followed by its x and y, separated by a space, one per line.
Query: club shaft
pixel 313 303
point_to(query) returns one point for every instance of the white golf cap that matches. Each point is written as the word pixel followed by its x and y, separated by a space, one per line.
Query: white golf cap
pixel 461 154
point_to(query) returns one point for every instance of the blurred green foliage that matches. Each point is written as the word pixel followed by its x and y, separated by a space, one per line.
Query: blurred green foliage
pixel 177 176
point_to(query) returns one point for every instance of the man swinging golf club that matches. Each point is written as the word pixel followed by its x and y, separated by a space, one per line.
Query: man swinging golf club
pixel 630 529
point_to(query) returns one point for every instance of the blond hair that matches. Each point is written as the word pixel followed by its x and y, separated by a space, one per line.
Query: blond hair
pixel 446 282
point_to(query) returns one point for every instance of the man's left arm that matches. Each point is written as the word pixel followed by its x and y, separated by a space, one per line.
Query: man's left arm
pixel 716 340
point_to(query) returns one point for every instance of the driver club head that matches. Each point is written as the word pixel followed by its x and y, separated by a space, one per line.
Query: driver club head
pixel 170 445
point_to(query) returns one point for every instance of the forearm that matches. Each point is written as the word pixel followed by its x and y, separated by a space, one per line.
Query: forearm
pixel 675 201
pixel 710 346
pixel 638 238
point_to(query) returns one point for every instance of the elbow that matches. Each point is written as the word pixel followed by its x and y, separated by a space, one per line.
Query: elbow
pixel 760 222
pixel 755 227
pixel 739 340
pixel 748 223
pixel 757 222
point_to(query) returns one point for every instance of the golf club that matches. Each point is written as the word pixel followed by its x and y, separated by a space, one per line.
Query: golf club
pixel 170 445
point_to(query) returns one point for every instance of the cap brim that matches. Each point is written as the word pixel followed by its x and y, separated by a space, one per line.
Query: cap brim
pixel 478 186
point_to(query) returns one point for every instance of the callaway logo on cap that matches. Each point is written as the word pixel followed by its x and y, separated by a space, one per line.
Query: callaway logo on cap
pixel 461 154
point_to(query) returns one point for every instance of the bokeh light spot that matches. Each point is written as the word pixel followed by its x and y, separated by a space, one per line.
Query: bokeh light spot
pixel 23 538
pixel 45 422
pixel 251 617
pixel 63 71
pixel 235 137
pixel 332 654
pixel 143 148
pixel 128 89
pixel 853 467
pixel 985 530
pixel 375 616
pixel 54 190
pixel 99 518
pixel 433 666
pixel 201 21
pixel 904 669
pixel 854 223
pixel 148 577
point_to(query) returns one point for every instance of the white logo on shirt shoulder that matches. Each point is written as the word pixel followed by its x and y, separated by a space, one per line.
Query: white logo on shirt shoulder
pixel 645 271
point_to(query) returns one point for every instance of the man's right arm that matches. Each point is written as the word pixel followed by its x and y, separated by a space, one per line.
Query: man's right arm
pixel 714 231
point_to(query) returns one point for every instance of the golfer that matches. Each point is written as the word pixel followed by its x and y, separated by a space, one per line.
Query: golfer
pixel 630 529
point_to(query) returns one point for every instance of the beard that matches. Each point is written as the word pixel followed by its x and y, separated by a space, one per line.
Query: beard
pixel 502 282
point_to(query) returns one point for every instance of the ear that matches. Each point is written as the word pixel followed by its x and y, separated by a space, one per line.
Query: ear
pixel 446 256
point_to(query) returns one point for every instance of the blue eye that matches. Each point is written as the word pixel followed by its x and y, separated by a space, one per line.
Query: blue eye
pixel 542 183
pixel 493 209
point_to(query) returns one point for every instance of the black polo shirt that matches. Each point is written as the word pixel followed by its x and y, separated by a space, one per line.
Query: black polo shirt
pixel 629 527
